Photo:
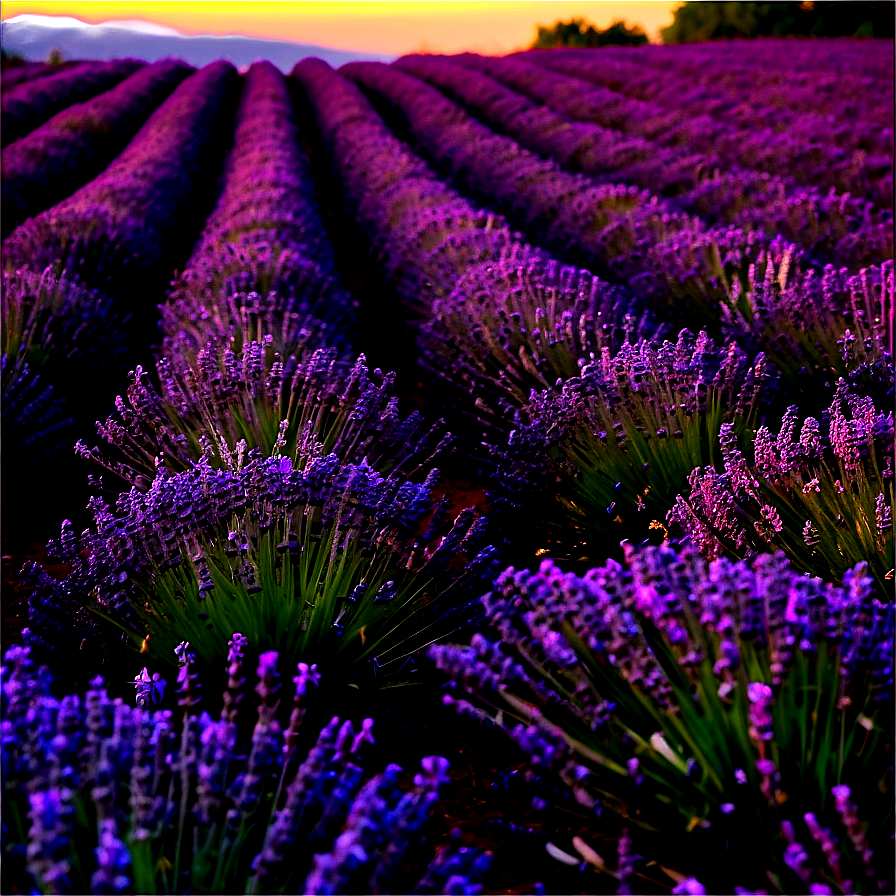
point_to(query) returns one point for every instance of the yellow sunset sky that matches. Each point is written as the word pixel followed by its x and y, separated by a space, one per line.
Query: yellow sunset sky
pixel 379 26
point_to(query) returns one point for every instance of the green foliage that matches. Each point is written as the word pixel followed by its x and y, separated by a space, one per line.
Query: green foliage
pixel 291 589
pixel 719 21
pixel 577 33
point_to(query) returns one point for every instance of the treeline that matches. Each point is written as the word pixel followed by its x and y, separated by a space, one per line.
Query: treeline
pixel 695 22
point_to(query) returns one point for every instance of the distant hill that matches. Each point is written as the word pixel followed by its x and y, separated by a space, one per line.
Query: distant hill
pixel 34 37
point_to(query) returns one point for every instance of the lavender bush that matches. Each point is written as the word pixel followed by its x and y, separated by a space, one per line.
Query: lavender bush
pixel 625 433
pixel 730 709
pixel 52 330
pixel 102 797
pixel 332 563
pixel 820 489
pixel 816 328
pixel 252 398
pixel 513 325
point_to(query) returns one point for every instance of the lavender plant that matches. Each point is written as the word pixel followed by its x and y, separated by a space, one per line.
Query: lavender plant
pixel 52 330
pixel 102 797
pixel 728 708
pixel 53 322
pixel 816 328
pixel 624 434
pixel 820 490
pixel 516 324
pixel 35 422
pixel 332 563
pixel 252 398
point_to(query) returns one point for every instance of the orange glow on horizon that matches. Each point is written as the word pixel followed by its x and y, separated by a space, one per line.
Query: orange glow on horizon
pixel 375 26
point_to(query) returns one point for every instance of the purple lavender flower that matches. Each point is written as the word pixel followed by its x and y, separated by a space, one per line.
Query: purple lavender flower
pixel 761 699
pixel 308 675
pixel 113 860
pixel 690 886
pixel 49 837
pixel 836 475
pixel 150 689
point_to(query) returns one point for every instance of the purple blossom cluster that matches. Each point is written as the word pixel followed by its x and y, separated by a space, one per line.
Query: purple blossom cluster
pixel 687 674
pixel 264 253
pixel 249 542
pixel 817 328
pixel 28 105
pixel 154 783
pixel 76 144
pixel 820 489
pixel 615 443
pixel 229 402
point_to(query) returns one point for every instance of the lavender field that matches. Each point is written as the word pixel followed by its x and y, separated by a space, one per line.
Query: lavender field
pixel 465 475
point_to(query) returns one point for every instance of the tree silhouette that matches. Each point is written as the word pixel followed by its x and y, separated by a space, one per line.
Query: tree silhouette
pixel 578 33
pixel 831 18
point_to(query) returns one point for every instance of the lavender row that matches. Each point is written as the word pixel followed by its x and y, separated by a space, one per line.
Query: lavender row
pixel 158 801
pixel 12 76
pixel 792 153
pixel 264 251
pixel 496 316
pixel 852 59
pixel 30 104
pixel 634 237
pixel 124 231
pixel 742 198
pixel 74 146
pixel 597 226
pixel 746 93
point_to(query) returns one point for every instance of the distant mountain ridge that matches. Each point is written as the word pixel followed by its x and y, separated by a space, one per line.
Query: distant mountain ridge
pixel 34 37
